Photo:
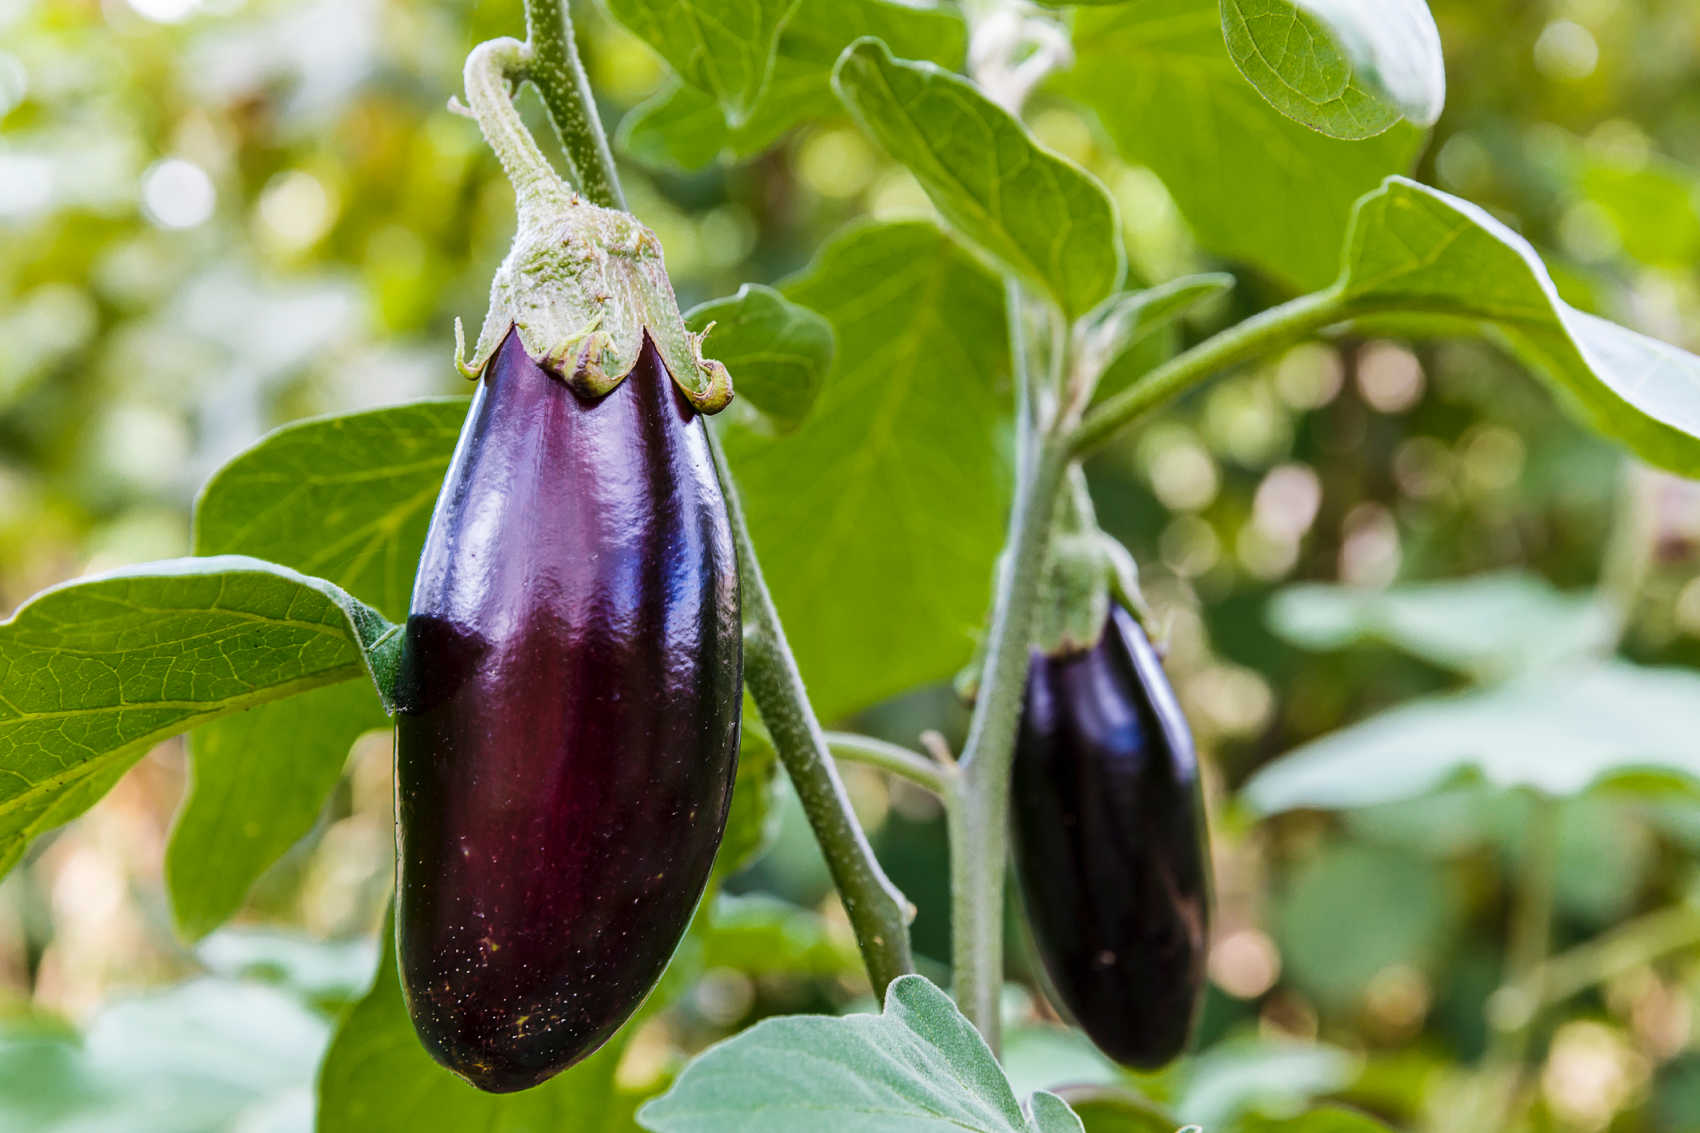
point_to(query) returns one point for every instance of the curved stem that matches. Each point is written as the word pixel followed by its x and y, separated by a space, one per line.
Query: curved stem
pixel 1627 947
pixel 1255 336
pixel 893 758
pixel 488 69
pixel 555 70
pixel 980 807
pixel 879 914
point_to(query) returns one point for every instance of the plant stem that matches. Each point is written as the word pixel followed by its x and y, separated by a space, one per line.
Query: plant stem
pixel 980 807
pixel 879 914
pixel 1255 336
pixel 488 68
pixel 1627 947
pixel 892 758
pixel 1513 1009
pixel 555 70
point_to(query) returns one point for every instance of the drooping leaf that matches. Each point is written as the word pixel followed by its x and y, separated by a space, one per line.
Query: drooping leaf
pixel 766 936
pixel 1442 622
pixel 1347 68
pixel 918 1067
pixel 778 352
pixel 682 127
pixel 205 1055
pixel 878 519
pixel 347 499
pixel 1558 731
pixel 1223 1084
pixel 1253 184
pixel 1037 214
pixel 724 48
pixel 1419 249
pixel 94 672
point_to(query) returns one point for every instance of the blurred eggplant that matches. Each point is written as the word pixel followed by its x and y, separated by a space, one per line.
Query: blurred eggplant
pixel 1109 843
pixel 568 725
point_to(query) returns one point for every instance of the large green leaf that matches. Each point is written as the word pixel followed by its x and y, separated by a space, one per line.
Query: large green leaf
pixel 1558 731
pixel 777 352
pixel 919 1067
pixel 345 498
pixel 1037 214
pixel 1253 184
pixel 202 1057
pixel 1418 249
pixel 682 127
pixel 1348 68
pixel 1442 622
pixel 878 519
pixel 722 47
pixel 94 672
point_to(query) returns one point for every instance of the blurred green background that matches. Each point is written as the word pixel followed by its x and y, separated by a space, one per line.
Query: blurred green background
pixel 217 216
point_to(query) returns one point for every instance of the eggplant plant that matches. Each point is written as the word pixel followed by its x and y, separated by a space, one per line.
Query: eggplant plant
pixel 669 548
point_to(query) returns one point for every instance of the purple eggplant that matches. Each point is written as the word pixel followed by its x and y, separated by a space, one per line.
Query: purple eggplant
pixel 1109 841
pixel 568 729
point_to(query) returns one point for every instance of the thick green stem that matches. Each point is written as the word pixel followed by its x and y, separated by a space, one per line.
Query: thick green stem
pixel 1254 337
pixel 979 812
pixel 879 914
pixel 892 758
pixel 554 69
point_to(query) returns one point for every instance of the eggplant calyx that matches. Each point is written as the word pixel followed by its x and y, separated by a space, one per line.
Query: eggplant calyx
pixel 582 284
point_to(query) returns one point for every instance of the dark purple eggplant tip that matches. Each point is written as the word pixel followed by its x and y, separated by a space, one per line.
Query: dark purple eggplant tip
pixel 568 730
pixel 1109 843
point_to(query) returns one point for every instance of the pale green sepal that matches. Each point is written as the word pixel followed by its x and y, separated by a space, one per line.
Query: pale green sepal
pixel 583 284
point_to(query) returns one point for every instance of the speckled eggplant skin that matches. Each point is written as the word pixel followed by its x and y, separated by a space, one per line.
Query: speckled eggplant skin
pixel 1109 840
pixel 568 728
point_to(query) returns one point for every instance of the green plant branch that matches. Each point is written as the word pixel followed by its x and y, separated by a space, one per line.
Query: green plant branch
pixel 1241 342
pixel 979 809
pixel 553 67
pixel 879 914
pixel 1514 1007
pixel 893 758
pixel 1629 946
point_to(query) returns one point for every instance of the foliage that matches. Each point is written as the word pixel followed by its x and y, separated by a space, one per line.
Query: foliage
pixel 215 220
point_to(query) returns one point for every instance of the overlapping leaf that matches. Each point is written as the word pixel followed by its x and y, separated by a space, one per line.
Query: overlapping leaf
pixel 1347 68
pixel 878 519
pixel 1418 249
pixel 345 498
pixel 94 672
pixel 684 128
pixel 1558 731
pixel 1253 184
pixel 724 48
pixel 1036 214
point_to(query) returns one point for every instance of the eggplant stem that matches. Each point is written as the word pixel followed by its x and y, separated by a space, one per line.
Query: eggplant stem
pixel 489 69
pixel 896 759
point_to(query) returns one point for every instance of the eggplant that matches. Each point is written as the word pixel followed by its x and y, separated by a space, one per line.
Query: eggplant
pixel 567 734
pixel 1109 843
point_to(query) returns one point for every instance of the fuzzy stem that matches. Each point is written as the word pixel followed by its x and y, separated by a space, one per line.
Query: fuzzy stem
pixel 892 758
pixel 879 914
pixel 979 812
pixel 1255 336
pixel 488 70
pixel 555 70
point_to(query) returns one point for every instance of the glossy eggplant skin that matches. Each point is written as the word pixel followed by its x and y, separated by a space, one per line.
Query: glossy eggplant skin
pixel 1109 842
pixel 568 726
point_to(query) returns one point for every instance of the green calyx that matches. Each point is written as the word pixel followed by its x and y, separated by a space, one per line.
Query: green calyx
pixel 583 285
pixel 1084 569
